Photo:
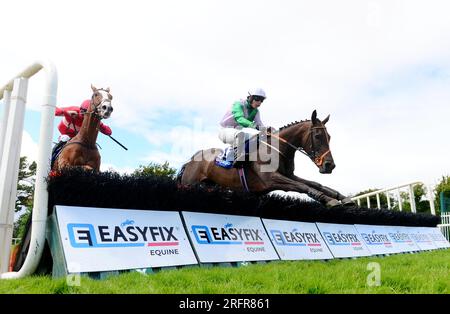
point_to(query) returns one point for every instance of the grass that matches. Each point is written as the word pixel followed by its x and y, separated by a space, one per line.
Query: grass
pixel 426 272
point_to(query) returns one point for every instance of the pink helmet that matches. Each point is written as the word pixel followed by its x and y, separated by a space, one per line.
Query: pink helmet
pixel 85 105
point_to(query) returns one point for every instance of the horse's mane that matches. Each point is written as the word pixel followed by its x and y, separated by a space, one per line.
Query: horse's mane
pixel 292 124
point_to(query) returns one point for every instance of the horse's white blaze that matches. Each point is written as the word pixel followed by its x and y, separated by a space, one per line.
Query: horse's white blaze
pixel 105 105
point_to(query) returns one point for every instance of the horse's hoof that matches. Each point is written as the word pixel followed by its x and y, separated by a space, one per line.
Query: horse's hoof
pixel 333 203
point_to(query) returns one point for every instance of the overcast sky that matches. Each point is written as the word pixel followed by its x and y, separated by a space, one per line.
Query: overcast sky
pixel 381 69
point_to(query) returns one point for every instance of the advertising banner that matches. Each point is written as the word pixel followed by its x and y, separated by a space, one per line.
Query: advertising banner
pixel 100 239
pixel 421 238
pixel 343 240
pixel 401 238
pixel 294 240
pixel 228 238
pixel 438 238
pixel 377 239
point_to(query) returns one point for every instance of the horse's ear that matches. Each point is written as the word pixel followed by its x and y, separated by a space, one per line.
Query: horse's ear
pixel 94 89
pixel 107 90
pixel 326 120
pixel 314 117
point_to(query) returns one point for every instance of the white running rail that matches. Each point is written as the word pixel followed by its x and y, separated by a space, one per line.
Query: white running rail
pixel 396 190
pixel 445 225
pixel 14 94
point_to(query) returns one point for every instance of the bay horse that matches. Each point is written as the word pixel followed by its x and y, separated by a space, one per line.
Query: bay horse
pixel 82 150
pixel 309 137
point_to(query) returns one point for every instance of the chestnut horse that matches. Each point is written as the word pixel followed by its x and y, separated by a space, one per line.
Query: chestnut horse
pixel 81 150
pixel 309 137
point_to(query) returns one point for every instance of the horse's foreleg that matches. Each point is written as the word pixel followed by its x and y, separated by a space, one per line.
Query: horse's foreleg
pixel 280 182
pixel 324 189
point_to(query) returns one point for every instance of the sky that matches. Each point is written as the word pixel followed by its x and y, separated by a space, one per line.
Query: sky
pixel 381 69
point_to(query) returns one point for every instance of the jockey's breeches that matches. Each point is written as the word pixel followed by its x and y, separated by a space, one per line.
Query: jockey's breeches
pixel 234 136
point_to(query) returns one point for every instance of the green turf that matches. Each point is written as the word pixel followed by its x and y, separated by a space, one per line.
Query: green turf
pixel 427 272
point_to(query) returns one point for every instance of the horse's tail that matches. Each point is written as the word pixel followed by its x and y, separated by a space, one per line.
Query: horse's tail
pixel 183 167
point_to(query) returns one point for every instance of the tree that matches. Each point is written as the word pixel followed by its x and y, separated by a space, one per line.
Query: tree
pixel 25 194
pixel 443 186
pixel 155 169
pixel 422 205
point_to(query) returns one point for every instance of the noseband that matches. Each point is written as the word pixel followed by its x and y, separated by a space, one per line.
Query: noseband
pixel 318 160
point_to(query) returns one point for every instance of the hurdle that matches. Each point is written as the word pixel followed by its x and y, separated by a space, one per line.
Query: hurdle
pixel 14 95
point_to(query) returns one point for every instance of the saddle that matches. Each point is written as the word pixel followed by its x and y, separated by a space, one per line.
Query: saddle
pixel 241 155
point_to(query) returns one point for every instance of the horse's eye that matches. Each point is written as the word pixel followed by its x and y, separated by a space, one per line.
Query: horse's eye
pixel 96 94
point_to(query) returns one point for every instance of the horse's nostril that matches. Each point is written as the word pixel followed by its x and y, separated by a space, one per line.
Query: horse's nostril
pixel 328 165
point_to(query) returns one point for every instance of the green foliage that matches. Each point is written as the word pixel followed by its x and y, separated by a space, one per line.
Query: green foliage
pixel 25 194
pixel 422 205
pixel 155 169
pixel 443 186
pixel 425 272
pixel 25 186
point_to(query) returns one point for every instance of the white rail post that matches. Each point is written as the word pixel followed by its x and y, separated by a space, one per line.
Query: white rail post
pixel 399 199
pixel 411 198
pixel 388 200
pixel 9 169
pixel 431 200
pixel 40 204
pixel 6 106
pixel 397 194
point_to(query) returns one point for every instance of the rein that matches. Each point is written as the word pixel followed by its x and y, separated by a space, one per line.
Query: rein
pixel 318 160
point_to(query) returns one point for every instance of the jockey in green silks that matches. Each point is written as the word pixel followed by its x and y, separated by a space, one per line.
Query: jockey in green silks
pixel 241 122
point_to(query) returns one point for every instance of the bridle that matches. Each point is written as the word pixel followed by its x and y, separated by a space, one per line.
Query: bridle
pixel 95 111
pixel 314 156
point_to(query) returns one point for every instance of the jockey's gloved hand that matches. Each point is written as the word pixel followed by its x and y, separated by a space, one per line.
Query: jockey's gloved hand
pixel 257 127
